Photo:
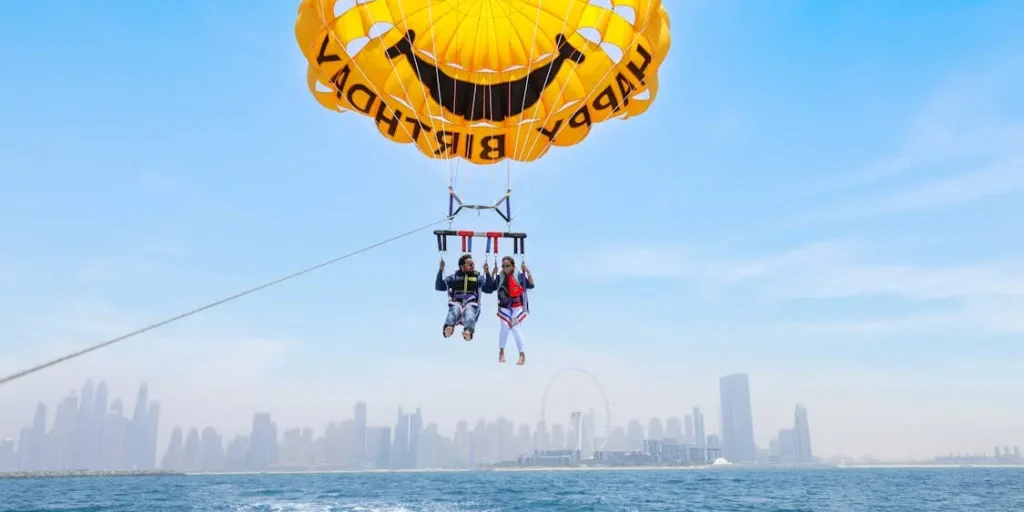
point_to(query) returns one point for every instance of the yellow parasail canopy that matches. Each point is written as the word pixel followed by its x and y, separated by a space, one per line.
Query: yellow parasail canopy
pixel 484 80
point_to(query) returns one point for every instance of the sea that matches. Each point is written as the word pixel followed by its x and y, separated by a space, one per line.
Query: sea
pixel 748 490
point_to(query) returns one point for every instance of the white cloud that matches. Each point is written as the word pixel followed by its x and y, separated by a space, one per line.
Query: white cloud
pixel 980 317
pixel 843 276
pixel 816 270
pixel 989 295
pixel 965 145
pixel 1005 175
pixel 965 118
pixel 671 262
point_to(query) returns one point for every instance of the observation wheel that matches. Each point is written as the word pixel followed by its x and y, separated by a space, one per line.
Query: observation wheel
pixel 561 377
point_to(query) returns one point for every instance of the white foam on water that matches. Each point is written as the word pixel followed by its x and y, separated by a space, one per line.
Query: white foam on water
pixel 286 506
pixel 310 506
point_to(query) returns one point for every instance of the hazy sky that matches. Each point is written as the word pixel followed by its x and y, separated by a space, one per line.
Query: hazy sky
pixel 826 195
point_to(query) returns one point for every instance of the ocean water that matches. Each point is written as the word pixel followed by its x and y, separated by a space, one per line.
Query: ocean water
pixel 868 490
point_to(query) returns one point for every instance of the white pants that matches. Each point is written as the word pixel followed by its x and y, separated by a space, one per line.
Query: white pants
pixel 510 316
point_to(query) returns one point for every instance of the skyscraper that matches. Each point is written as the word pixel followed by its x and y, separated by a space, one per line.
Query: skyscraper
pixel 84 427
pixel 211 450
pixel 193 449
pixel 99 418
pixel 149 434
pixel 737 419
pixel 359 433
pixel 700 437
pixel 463 442
pixel 576 428
pixel 379 446
pixel 135 453
pixel 590 433
pixel 37 453
pixel 115 432
pixel 654 430
pixel 688 434
pixel 415 429
pixel 175 454
pixel 62 436
pixel 787 446
pixel 634 435
pixel 801 435
pixel 400 450
pixel 262 447
pixel 674 429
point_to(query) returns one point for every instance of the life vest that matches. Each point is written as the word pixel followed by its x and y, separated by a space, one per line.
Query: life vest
pixel 510 292
pixel 464 288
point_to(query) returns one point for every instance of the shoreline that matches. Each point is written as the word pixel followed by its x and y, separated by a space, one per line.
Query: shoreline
pixel 87 473
pixel 537 469
pixel 525 469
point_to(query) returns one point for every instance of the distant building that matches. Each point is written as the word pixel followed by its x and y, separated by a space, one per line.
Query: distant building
pixel 262 443
pixel 359 432
pixel 737 419
pixel 699 435
pixel 801 436
pixel 379 446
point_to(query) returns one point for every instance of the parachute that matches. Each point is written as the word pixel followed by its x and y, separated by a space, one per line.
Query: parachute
pixel 484 81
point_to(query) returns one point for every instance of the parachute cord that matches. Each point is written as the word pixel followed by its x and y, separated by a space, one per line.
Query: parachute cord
pixel 536 108
pixel 376 90
pixel 651 14
pixel 508 192
pixel 451 168
pixel 42 366
pixel 575 66
pixel 529 70
pixel 445 167
pixel 472 111
pixel 460 17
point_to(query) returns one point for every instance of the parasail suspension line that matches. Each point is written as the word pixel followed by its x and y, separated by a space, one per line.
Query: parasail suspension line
pixel 42 366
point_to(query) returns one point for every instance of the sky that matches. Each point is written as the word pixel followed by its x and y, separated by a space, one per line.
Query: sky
pixel 825 195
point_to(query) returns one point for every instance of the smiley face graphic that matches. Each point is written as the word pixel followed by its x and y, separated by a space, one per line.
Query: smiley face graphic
pixel 493 102
pixel 484 80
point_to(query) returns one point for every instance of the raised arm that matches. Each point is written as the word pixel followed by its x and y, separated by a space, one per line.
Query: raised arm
pixel 490 283
pixel 529 277
pixel 441 283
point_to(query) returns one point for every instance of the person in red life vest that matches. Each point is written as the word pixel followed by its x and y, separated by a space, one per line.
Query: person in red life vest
pixel 513 304
pixel 463 289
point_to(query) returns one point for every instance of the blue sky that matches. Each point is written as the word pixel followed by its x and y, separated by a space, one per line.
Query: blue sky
pixel 825 195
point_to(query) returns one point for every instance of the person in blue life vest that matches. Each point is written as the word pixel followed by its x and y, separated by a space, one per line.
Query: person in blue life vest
pixel 463 287
pixel 513 303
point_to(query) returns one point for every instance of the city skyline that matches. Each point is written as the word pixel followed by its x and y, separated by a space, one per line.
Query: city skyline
pixel 129 440
pixel 223 395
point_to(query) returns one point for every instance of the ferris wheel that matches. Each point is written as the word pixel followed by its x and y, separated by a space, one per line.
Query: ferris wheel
pixel 598 434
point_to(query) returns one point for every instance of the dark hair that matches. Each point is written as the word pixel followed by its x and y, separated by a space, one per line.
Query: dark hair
pixel 463 258
pixel 510 260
